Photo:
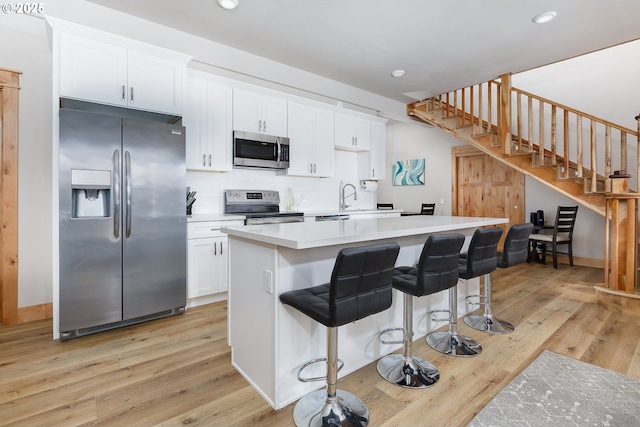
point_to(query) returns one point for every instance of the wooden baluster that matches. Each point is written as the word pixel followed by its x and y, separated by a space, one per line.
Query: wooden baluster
pixel 530 122
pixel 554 149
pixel 541 132
pixel 519 118
pixel 623 151
pixel 594 173
pixel 607 157
pixel 579 144
pixel 565 135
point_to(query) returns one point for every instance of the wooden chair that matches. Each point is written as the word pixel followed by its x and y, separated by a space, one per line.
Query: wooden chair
pixel 562 234
pixel 385 206
pixel 428 209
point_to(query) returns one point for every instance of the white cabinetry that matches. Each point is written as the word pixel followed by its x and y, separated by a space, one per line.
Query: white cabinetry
pixel 259 113
pixel 353 133
pixel 106 73
pixel 207 118
pixel 311 134
pixel 207 260
pixel 372 164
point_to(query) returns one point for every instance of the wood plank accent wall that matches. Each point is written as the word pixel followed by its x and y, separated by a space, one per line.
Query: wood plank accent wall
pixel 9 89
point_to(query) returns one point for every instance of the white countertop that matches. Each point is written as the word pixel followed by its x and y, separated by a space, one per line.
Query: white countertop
pixel 304 235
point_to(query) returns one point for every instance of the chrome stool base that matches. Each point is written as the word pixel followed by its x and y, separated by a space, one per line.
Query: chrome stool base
pixel 489 324
pixel 316 409
pixel 454 345
pixel 409 372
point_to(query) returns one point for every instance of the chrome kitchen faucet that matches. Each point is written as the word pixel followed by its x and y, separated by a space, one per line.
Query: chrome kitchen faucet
pixel 343 198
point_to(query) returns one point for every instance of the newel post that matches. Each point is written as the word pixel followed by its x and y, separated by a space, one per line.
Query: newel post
pixel 504 130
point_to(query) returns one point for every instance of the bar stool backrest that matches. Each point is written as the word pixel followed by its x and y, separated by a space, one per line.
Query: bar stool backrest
pixel 361 282
pixel 438 264
pixel 516 245
pixel 481 257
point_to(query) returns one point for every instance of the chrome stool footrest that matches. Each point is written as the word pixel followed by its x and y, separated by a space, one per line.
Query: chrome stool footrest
pixel 439 319
pixel 481 300
pixel 388 331
pixel 312 362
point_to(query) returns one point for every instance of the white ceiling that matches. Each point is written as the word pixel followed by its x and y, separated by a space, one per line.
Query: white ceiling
pixel 441 44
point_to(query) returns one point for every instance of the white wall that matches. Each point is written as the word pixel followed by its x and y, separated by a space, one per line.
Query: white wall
pixel 407 141
pixel 24 48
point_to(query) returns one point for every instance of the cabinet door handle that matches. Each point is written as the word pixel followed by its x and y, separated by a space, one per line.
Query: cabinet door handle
pixel 215 249
pixel 209 159
pixel 373 172
pixel 204 160
pixel 259 125
pixel 264 126
pixel 310 167
pixel 314 168
pixel 220 248
pixel 131 93
pixel 124 95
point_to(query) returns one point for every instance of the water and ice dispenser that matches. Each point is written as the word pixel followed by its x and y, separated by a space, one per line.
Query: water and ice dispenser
pixel 90 193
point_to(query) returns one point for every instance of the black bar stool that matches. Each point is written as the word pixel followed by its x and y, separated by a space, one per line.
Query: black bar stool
pixel 360 286
pixel 437 270
pixel 515 251
pixel 479 259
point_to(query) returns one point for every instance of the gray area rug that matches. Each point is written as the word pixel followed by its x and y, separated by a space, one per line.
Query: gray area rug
pixel 555 390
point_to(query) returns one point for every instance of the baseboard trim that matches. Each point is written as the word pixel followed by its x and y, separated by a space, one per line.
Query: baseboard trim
pixel 35 312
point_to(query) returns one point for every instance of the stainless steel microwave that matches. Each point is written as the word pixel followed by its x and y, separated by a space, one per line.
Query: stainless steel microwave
pixel 260 151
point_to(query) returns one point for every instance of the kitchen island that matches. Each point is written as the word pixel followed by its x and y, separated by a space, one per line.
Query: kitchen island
pixel 270 341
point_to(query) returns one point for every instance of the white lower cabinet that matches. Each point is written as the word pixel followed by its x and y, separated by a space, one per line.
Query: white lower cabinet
pixel 207 262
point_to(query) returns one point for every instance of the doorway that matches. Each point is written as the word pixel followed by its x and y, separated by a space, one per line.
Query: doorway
pixel 484 186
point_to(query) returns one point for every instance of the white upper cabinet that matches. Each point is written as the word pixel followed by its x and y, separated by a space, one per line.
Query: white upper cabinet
pixel 208 120
pixel 311 134
pixel 258 113
pixel 372 164
pixel 353 133
pixel 106 73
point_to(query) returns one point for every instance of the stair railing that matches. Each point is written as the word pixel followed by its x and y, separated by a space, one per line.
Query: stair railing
pixel 577 144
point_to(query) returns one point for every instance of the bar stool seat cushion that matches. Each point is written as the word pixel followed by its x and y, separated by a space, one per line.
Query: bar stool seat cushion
pixel 356 293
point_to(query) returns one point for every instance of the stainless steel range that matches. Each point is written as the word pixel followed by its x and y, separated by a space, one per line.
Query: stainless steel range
pixel 259 207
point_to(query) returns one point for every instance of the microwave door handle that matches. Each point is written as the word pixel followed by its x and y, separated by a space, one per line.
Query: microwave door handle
pixel 278 151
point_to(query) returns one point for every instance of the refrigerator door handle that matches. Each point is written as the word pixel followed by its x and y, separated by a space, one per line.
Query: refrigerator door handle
pixel 127 183
pixel 116 194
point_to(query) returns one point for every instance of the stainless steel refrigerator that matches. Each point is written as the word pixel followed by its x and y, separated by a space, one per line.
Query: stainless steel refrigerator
pixel 122 221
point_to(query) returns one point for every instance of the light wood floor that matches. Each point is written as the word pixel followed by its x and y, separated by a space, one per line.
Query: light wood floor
pixel 177 371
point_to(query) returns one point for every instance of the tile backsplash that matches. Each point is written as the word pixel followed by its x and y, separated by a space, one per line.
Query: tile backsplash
pixel 310 194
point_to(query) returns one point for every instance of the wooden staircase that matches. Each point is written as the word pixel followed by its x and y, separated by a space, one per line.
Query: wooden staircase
pixel 568 150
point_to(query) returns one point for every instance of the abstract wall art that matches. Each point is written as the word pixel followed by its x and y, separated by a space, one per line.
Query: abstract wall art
pixel 408 172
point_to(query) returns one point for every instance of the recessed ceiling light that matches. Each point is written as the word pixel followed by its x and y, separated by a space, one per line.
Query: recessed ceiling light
pixel 397 73
pixel 228 4
pixel 545 17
